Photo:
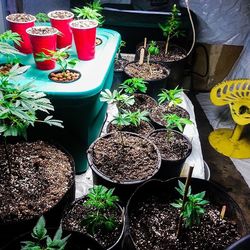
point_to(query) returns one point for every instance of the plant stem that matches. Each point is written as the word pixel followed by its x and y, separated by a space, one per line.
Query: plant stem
pixel 7 156
pixel 166 48
pixel 190 171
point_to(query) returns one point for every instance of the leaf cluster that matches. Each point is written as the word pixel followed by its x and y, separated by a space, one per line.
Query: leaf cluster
pixel 41 17
pixel 100 199
pixel 91 11
pixel 19 104
pixel 122 44
pixel 42 241
pixel 132 85
pixel 59 56
pixel 175 121
pixel 193 208
pixel 172 96
pixel 153 49
pixel 173 24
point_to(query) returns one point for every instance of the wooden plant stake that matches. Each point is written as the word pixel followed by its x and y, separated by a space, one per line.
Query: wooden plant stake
pixel 187 183
pixel 142 52
pixel 223 211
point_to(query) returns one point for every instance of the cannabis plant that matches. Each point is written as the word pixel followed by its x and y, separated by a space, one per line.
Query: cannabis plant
pixel 172 26
pixel 122 44
pixel 91 11
pixel 59 56
pixel 175 121
pixel 42 241
pixel 132 85
pixel 193 207
pixel 153 50
pixel 171 96
pixel 42 17
pixel 135 118
pixel 100 201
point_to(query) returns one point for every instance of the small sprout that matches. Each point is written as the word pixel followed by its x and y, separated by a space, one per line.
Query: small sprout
pixel 122 44
pixel 59 56
pixel 91 11
pixel 100 199
pixel 174 121
pixel 135 118
pixel 9 36
pixel 193 208
pixel 171 96
pixel 42 240
pixel 172 26
pixel 41 17
pixel 133 85
pixel 120 120
pixel 152 50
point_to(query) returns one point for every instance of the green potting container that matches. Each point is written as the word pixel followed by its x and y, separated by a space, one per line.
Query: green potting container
pixel 77 103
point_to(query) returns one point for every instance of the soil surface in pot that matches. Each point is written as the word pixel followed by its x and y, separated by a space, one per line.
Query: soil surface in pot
pixel 157 113
pixel 61 14
pixel 154 223
pixel 149 72
pixel 125 157
pixel 84 24
pixel 119 64
pixel 64 77
pixel 40 175
pixel 73 221
pixel 172 145
pixel 43 30
pixel 21 17
pixel 143 129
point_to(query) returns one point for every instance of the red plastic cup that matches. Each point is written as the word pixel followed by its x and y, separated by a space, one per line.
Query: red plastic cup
pixel 65 38
pixel 84 32
pixel 43 43
pixel 20 28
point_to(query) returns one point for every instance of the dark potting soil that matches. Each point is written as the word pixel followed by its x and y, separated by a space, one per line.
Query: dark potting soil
pixel 43 30
pixel 73 221
pixel 154 224
pixel 124 157
pixel 172 146
pixel 5 68
pixel 67 76
pixel 157 71
pixel 157 113
pixel 40 175
pixel 143 129
pixel 119 64
pixel 21 17
pixel 84 24
pixel 61 14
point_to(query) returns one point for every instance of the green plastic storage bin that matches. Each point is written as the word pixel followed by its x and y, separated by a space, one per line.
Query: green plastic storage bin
pixel 77 103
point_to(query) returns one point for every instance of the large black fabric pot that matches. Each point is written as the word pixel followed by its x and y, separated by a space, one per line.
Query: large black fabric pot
pixel 171 168
pixel 76 241
pixel 154 86
pixel 122 188
pixel 242 244
pixel 11 229
pixel 117 243
pixel 165 190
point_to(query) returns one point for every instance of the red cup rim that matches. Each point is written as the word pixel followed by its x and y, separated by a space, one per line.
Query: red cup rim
pixel 83 20
pixel 7 18
pixel 52 34
pixel 67 18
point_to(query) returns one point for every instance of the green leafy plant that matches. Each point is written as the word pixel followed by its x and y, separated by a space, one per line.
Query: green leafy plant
pixel 175 121
pixel 153 49
pixel 9 36
pixel 131 85
pixel 193 207
pixel 42 17
pixel 100 200
pixel 135 118
pixel 91 11
pixel 42 241
pixel 122 44
pixel 171 96
pixel 172 27
pixel 59 56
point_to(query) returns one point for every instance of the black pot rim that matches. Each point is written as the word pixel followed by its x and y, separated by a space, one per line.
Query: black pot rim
pixel 176 132
pixel 152 80
pixel 101 41
pixel 122 210
pixel 132 182
pixel 71 184
pixel 60 71
pixel 159 124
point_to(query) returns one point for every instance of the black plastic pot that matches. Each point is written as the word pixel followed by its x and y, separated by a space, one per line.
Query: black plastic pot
pixel 154 87
pixel 171 168
pixel 98 41
pixel 60 71
pixel 123 188
pixel 117 244
pixel 166 190
pixel 11 230
pixel 242 244
pixel 76 241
